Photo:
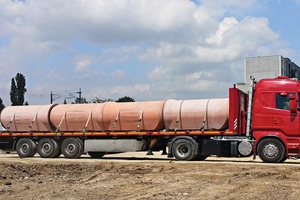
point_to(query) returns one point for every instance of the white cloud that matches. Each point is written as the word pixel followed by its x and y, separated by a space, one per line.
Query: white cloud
pixel 118 74
pixel 179 48
pixel 199 75
pixel 158 72
pixel 83 65
pixel 119 54
pixel 227 24
pixel 115 92
pixel 229 43
pixel 142 87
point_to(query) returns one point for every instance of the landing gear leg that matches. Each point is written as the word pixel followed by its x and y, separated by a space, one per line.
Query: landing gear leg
pixel 149 153
pixel 164 151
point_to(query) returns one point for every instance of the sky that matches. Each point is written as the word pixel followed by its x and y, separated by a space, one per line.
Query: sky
pixel 146 49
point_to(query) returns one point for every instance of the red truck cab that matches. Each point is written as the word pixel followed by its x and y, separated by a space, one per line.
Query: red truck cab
pixel 275 119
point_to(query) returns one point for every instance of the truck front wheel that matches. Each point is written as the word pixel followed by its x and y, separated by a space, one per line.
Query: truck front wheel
pixel 271 150
pixel 183 149
pixel 26 147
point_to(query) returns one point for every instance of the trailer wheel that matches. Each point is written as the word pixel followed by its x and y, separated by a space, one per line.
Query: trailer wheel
pixel 96 154
pixel 26 147
pixel 48 148
pixel 271 150
pixel 183 149
pixel 72 147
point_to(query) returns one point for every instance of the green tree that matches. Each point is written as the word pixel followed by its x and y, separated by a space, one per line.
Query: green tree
pixel 17 90
pixel 97 100
pixel 1 105
pixel 125 99
pixel 13 93
pixel 78 101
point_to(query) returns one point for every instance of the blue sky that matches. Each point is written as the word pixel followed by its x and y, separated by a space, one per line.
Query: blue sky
pixel 145 49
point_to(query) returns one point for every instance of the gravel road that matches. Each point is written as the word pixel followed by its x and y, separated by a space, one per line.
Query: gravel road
pixel 136 176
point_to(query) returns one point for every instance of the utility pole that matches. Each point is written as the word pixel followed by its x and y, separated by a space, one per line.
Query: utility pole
pixel 53 97
pixel 79 98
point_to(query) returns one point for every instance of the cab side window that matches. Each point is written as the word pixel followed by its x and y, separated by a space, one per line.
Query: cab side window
pixel 283 101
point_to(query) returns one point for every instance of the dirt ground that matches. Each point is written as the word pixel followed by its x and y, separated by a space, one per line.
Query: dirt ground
pixel 136 176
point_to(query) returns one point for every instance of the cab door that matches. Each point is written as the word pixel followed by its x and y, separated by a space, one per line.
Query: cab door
pixel 284 119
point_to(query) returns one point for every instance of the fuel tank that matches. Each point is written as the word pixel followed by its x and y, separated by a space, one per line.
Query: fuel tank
pixel 27 118
pixel 133 116
pixel 200 114
pixel 77 117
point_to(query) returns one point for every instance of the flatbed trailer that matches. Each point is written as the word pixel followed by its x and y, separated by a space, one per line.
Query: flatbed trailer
pixel 183 144
pixel 110 142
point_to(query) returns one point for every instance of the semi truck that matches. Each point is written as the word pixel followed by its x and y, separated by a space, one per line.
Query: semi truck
pixel 264 122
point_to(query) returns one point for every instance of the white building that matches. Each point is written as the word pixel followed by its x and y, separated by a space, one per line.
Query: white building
pixel 270 67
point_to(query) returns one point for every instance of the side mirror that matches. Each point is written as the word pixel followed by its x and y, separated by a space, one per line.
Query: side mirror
pixel 292 97
pixel 293 103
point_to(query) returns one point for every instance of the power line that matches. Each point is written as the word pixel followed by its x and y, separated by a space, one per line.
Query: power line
pixel 4 91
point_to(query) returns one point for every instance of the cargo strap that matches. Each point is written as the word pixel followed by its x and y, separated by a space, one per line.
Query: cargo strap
pixel 179 116
pixel 140 118
pixel 12 118
pixel 61 121
pixel 205 116
pixel 87 122
pixel 34 119
pixel 116 120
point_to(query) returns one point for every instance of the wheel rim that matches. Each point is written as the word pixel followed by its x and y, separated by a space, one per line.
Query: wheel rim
pixel 71 148
pixel 24 148
pixel 270 150
pixel 46 148
pixel 182 150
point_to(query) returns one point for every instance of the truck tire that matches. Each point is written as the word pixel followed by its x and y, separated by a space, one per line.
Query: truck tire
pixel 183 149
pixel 200 157
pixel 283 159
pixel 48 148
pixel 72 147
pixel 271 150
pixel 26 147
pixel 96 154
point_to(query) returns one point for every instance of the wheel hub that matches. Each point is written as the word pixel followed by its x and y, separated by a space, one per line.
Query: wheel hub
pixel 270 150
pixel 46 148
pixel 24 148
pixel 182 150
pixel 71 148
